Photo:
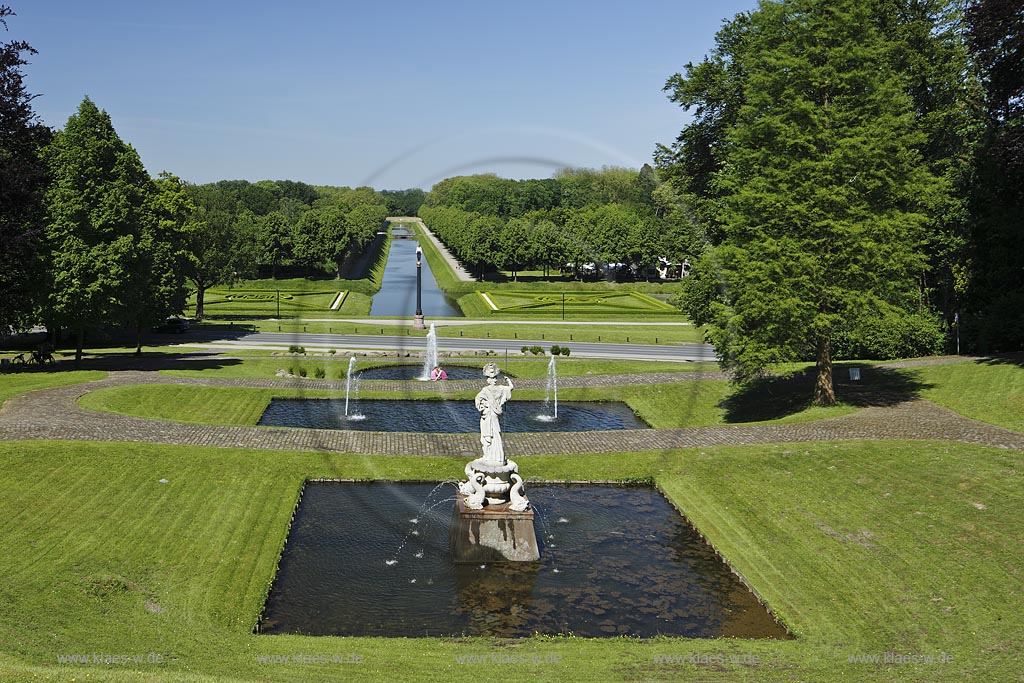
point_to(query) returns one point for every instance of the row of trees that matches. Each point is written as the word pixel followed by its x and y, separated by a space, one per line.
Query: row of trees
pixel 580 217
pixel 248 230
pixel 844 183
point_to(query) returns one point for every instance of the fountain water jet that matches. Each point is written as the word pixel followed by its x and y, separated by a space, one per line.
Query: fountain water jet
pixel 430 360
pixel 551 393
pixel 348 389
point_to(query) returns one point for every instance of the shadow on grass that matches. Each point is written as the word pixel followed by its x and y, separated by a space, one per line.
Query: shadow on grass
pixel 774 398
pixel 1005 359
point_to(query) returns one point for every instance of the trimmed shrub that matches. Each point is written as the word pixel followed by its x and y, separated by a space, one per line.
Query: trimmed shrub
pixel 565 350
pixel 302 371
pixel 536 350
pixel 891 334
pixel 556 350
pixel 296 349
pixel 319 372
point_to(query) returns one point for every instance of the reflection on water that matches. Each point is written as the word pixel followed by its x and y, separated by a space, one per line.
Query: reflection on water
pixel 411 372
pixel 397 295
pixel 372 559
pixel 453 417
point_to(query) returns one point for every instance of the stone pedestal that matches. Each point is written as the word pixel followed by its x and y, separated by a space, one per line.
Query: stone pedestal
pixel 417 323
pixel 492 534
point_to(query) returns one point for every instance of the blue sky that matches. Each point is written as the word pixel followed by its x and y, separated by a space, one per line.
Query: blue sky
pixel 393 95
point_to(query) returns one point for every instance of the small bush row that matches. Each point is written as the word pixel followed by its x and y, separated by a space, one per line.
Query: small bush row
pixel 556 350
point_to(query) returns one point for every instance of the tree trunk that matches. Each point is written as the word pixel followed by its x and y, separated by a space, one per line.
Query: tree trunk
pixel 80 342
pixel 824 389
pixel 138 339
pixel 200 294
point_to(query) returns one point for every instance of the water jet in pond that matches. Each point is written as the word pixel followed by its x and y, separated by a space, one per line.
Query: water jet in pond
pixel 440 416
pixel 551 393
pixel 430 358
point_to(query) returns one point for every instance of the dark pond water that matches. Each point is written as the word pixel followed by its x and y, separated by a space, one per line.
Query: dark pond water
pixel 452 417
pixel 397 295
pixel 410 372
pixel 372 559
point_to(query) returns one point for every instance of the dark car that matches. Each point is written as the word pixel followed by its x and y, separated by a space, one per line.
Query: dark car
pixel 172 326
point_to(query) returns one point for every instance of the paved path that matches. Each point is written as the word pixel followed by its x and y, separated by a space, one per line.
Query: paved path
pixel 55 414
pixel 343 343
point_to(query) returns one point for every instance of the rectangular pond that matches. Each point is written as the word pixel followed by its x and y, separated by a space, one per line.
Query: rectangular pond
pixel 453 417
pixel 372 559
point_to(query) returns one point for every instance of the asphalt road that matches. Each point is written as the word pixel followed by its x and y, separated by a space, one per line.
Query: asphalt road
pixel 341 342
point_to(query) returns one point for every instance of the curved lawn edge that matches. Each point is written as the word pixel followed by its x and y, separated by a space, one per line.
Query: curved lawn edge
pixel 14 384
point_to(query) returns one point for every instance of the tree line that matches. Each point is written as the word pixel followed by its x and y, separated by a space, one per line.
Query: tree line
pixel 852 173
pixel 270 228
pixel 593 222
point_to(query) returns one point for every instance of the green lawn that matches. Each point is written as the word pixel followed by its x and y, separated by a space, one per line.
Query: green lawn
pixel 989 391
pixel 577 305
pixel 860 548
pixel 511 335
pixel 336 367
pixel 13 383
pixel 686 404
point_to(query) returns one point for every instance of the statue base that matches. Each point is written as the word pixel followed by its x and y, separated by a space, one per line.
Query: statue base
pixel 417 323
pixel 492 534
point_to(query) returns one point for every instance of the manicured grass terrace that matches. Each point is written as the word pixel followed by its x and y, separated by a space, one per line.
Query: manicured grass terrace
pixel 860 548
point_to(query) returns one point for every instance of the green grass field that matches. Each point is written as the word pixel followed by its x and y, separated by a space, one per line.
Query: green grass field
pixel 663 406
pixel 14 383
pixel 574 304
pixel 990 391
pixel 861 549
pixel 335 367
pixel 513 333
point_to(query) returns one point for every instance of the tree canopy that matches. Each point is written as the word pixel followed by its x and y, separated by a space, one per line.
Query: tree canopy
pixel 807 148
pixel 22 184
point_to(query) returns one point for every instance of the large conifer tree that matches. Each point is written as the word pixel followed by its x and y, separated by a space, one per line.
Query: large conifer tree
pixel 818 192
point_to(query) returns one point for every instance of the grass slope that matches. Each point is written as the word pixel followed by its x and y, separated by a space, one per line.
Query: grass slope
pixel 989 390
pixel 860 548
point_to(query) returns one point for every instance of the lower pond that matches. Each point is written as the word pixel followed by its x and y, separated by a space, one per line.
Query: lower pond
pixel 372 559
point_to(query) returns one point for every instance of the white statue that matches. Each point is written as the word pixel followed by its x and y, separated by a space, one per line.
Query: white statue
pixel 492 479
pixel 491 402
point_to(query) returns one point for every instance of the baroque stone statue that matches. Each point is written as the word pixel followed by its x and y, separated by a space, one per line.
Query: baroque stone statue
pixel 492 478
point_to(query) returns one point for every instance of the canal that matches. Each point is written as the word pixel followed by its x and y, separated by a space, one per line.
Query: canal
pixel 397 295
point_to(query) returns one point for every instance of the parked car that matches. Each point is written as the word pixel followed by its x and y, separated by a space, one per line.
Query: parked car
pixel 173 326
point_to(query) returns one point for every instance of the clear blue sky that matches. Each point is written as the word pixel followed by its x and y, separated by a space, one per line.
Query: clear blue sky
pixel 393 94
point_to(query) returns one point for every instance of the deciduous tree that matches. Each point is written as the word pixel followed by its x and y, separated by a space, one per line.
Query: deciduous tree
pixel 22 185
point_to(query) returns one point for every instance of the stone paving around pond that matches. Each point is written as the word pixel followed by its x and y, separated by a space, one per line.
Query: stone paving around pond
pixel 55 414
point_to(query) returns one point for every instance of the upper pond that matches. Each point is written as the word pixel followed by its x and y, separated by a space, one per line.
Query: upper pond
pixel 397 295
pixel 455 417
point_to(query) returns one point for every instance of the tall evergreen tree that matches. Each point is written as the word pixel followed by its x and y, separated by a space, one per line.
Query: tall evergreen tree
pixel 22 184
pixel 820 192
pixel 97 208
